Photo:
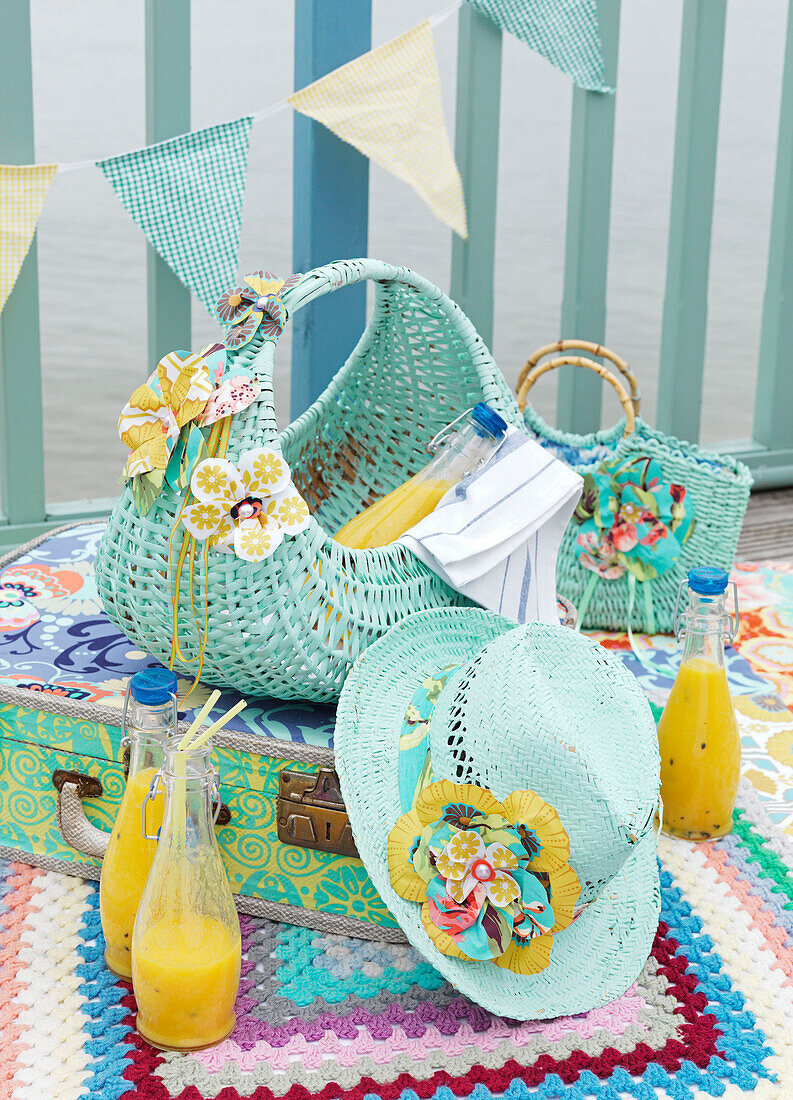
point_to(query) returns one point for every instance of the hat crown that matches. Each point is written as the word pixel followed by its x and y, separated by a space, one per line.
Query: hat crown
pixel 546 709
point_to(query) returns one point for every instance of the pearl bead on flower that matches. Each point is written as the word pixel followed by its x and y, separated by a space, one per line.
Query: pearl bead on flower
pixel 482 871
pixel 246 510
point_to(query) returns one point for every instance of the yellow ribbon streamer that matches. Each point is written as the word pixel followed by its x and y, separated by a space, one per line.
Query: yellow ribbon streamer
pixel 217 445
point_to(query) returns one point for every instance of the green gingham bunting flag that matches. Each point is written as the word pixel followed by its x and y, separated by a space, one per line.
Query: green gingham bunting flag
pixel 564 32
pixel 186 195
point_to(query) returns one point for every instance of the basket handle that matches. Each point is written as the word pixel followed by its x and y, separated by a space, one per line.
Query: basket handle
pixel 594 349
pixel 530 377
pixel 324 280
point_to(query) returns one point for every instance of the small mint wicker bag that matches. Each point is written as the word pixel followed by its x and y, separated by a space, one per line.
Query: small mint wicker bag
pixel 652 506
pixel 292 625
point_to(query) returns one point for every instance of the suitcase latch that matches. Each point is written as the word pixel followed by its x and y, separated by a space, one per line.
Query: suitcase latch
pixel 311 812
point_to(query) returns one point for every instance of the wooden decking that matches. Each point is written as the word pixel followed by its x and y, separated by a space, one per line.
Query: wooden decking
pixel 767 532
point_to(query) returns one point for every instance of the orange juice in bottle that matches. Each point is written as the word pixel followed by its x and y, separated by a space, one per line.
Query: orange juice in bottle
pixel 460 449
pixel 149 721
pixel 186 948
pixel 698 734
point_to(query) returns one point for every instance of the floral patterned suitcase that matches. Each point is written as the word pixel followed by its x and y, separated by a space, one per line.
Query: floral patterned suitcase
pixel 283 829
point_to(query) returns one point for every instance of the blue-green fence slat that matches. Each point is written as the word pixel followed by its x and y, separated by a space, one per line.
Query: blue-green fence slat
pixel 579 396
pixel 685 312
pixel 21 426
pixel 476 150
pixel 330 219
pixel 167 114
pixel 773 418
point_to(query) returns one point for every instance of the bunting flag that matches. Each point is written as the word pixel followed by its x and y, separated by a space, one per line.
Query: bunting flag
pixel 387 104
pixel 23 188
pixel 186 195
pixel 564 32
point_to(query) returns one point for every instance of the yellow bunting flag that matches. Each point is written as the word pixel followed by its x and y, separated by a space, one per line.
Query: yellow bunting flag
pixel 23 188
pixel 387 104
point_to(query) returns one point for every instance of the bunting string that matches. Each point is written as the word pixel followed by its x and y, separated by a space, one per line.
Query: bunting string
pixel 186 193
pixel 265 112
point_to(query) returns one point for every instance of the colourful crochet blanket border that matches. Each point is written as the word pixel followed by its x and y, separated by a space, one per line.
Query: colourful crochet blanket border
pixel 337 1018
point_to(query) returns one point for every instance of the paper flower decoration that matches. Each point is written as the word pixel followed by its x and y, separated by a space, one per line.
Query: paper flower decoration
pixel 630 520
pixel 245 509
pixel 232 395
pixel 156 412
pixel 216 358
pixel 254 305
pixel 492 878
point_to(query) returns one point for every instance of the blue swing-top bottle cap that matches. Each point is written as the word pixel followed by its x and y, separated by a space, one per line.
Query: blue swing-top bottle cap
pixel 707 580
pixel 489 419
pixel 153 686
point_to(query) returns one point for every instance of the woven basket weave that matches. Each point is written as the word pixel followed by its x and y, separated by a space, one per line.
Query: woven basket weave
pixel 717 487
pixel 292 625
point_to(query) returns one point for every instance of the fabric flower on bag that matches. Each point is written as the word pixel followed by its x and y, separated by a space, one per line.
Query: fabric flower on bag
pixel 152 419
pixel 493 878
pixel 255 305
pixel 245 509
pixel 630 520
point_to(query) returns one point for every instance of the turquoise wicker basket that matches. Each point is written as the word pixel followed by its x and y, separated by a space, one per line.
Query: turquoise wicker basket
pixel 292 625
pixel 715 491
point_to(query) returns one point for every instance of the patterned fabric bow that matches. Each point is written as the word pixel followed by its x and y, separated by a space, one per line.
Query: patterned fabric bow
pixel 245 509
pixel 630 520
pixel 156 412
pixel 492 878
pixel 254 306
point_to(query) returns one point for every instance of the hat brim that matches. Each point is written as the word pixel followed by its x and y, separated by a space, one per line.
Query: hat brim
pixel 594 960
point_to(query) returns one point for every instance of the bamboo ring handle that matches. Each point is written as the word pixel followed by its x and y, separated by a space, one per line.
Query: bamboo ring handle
pixel 593 349
pixel 579 361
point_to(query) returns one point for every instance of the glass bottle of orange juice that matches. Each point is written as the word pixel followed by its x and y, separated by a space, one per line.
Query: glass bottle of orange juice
pixel 460 449
pixel 149 720
pixel 698 734
pixel 186 947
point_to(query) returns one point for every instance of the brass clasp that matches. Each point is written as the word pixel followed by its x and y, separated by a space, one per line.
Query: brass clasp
pixel 311 812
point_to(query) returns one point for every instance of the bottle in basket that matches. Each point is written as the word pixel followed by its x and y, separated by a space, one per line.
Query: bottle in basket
pixel 186 946
pixel 460 449
pixel 698 734
pixel 149 721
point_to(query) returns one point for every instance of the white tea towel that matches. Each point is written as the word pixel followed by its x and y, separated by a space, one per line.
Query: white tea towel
pixel 495 536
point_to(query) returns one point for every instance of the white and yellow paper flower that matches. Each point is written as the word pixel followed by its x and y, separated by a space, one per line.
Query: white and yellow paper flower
pixel 493 878
pixel 157 411
pixel 245 509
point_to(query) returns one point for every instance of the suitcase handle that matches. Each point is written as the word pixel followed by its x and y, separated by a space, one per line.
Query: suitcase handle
pixel 74 826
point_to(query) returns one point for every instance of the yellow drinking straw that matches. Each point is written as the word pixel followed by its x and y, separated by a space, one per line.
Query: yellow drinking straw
pixel 221 722
pixel 186 744
pixel 180 790
pixel 199 718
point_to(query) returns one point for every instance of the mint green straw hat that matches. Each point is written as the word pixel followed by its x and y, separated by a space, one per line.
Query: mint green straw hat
pixel 502 785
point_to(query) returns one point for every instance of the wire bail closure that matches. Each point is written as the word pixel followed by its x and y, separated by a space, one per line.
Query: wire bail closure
pixel 441 436
pixel 217 805
pixel 448 429
pixel 151 794
pixel 126 740
pixel 734 616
